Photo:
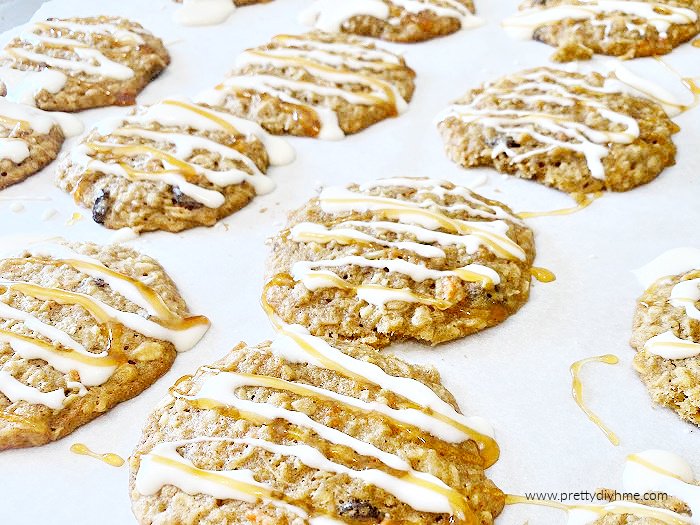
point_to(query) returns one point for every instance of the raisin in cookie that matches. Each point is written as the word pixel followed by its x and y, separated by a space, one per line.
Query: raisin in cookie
pixel 574 132
pixel 81 63
pixel 170 166
pixel 627 29
pixel 298 431
pixel 82 328
pixel 393 20
pixel 29 140
pixel 315 85
pixel 666 332
pixel 400 259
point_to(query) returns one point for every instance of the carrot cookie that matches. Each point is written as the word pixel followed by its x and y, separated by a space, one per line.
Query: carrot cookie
pixel 29 140
pixel 393 20
pixel 667 331
pixel 81 63
pixel 170 166
pixel 298 431
pixel 396 259
pixel 574 132
pixel 315 85
pixel 82 328
pixel 580 28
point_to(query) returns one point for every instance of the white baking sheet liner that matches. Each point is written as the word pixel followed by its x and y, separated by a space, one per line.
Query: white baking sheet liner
pixel 516 374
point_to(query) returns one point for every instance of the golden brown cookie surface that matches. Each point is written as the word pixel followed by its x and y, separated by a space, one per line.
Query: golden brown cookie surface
pixel 170 166
pixel 80 332
pixel 272 434
pixel 574 132
pixel 628 29
pixel 400 259
pixel 666 335
pixel 80 63
pixel 315 85
pixel 29 140
pixel 393 20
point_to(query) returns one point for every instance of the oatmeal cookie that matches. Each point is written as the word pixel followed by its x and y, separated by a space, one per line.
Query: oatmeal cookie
pixel 626 29
pixel 573 132
pixel 298 431
pixel 400 259
pixel 393 20
pixel 82 328
pixel 315 85
pixel 81 63
pixel 29 140
pixel 170 166
pixel 666 333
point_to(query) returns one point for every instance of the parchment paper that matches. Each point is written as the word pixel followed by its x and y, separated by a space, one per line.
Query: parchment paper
pixel 516 374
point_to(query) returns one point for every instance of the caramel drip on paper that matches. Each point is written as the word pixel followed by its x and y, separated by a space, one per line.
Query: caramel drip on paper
pixel 577 392
pixel 113 460
pixel 543 275
pixel 583 200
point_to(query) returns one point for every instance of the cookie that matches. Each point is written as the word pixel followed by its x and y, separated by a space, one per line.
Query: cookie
pixel 81 63
pixel 393 20
pixel 626 29
pixel 298 431
pixel 315 85
pixel 399 259
pixel 170 166
pixel 82 328
pixel 666 333
pixel 29 140
pixel 573 132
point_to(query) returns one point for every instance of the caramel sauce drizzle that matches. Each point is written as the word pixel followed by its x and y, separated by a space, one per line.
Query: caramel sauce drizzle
pixel 113 460
pixel 11 123
pixel 543 275
pixel 199 110
pixel 310 65
pixel 488 447
pixel 577 392
pixel 119 151
pixel 583 200
pixel 457 501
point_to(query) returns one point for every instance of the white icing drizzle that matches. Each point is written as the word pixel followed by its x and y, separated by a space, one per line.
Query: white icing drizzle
pixel 296 345
pixel 670 263
pixel 21 117
pixel 180 113
pixel 669 346
pixel 422 491
pixel 331 15
pixel 58 348
pixel 15 391
pixel 684 294
pixel 203 12
pixel 165 466
pixel 221 387
pixel 24 86
pixel 660 15
pixel 307 273
pixel 554 129
pixel 182 339
pixel 422 221
pixel 336 66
